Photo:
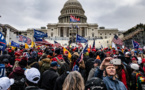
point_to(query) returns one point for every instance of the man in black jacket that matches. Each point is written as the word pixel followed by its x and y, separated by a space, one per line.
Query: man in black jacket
pixel 49 77
pixel 5 55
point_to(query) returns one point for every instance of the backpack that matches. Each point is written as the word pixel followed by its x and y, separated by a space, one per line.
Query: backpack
pixel 60 61
pixel 45 66
pixel 138 75
pixel 141 83
pixel 19 82
pixel 95 83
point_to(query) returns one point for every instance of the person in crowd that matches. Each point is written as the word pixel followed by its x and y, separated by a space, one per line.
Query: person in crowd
pixel 128 58
pixel 143 65
pixel 64 71
pixel 20 69
pixel 92 71
pixel 65 56
pixel 39 56
pixel 7 66
pixel 89 63
pixel 5 55
pixel 58 55
pixel 44 64
pixel 33 63
pixel 122 74
pixel 49 77
pixel 111 82
pixel 134 75
pixel 5 83
pixel 74 81
pixel 74 58
pixel 32 78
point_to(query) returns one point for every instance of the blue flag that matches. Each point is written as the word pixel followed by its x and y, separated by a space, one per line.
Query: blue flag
pixel 135 44
pixel 15 44
pixel 85 49
pixel 39 34
pixel 2 70
pixel 38 39
pixel 81 39
pixel 2 42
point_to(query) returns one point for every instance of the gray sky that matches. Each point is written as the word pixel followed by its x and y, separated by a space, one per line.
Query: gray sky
pixel 24 14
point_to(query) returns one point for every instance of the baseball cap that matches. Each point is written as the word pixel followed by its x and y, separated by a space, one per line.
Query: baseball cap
pixel 54 63
pixel 32 75
pixel 5 83
pixel 134 66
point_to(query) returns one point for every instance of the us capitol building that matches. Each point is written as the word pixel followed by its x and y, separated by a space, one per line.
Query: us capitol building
pixel 65 30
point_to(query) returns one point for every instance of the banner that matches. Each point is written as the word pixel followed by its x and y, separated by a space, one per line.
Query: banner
pixel 15 44
pixel 81 39
pixel 39 34
pixel 2 42
pixel 24 39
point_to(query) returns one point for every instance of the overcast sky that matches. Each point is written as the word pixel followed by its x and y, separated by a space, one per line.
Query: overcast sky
pixel 24 14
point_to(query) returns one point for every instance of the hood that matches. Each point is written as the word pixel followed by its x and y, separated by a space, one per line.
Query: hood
pixel 18 70
pixel 46 60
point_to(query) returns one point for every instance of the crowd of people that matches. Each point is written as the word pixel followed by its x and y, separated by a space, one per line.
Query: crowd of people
pixel 50 68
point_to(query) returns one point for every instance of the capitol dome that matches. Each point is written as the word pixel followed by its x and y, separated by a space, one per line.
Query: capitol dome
pixel 72 7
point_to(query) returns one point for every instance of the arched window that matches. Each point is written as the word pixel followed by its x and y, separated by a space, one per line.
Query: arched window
pixel 51 34
pixel 92 34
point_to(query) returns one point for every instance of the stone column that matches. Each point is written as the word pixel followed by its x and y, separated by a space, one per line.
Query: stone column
pixel 8 35
pixel 65 32
pixel 58 32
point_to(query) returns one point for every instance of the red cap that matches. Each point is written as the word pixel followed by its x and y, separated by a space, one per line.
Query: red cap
pixel 108 52
pixel 133 59
pixel 40 53
pixel 17 54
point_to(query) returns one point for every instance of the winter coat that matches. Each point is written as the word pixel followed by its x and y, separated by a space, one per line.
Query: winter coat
pixel 89 64
pixel 18 71
pixel 48 79
pixel 60 81
pixel 33 88
pixel 109 82
pixel 43 60
pixel 91 73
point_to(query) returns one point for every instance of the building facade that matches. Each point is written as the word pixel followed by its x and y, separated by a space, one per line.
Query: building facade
pixel 66 30
pixel 136 33
pixel 9 32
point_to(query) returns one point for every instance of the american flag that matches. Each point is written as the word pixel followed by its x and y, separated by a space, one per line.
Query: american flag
pixel 117 40
pixel 56 44
pixel 20 38
pixel 43 42
pixel 80 45
pixel 28 41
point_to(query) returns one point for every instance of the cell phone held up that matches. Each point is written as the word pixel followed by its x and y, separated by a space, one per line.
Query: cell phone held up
pixel 115 61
